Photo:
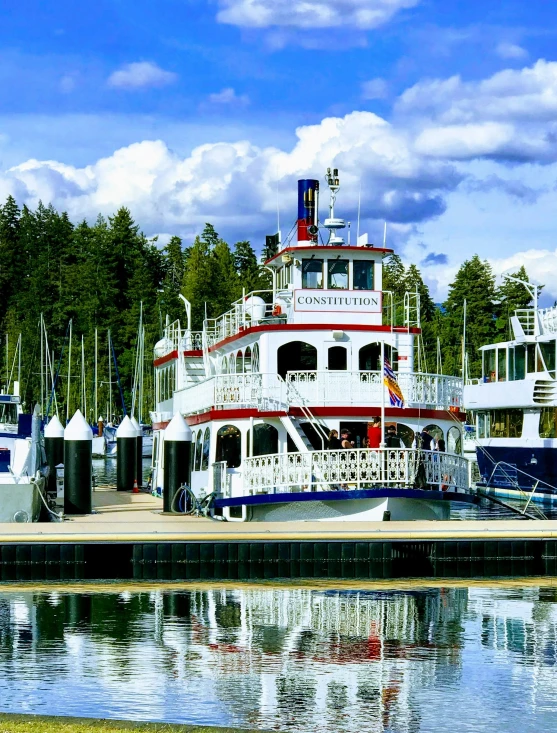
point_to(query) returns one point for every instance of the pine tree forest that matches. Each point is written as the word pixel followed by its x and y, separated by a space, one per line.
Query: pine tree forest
pixel 94 279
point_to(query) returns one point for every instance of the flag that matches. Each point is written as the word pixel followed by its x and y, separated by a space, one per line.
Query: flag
pixel 395 393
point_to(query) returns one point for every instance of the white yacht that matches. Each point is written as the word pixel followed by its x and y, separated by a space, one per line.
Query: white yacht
pixel 21 481
pixel 515 408
pixel 325 349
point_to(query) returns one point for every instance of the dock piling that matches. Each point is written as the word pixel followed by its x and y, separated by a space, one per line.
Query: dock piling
pixel 126 443
pixel 177 469
pixel 78 475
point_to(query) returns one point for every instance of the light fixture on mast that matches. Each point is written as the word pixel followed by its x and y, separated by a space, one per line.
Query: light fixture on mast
pixel 332 224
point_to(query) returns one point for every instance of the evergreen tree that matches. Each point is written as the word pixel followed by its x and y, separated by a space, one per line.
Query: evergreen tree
pixel 225 284
pixel 475 284
pixel 394 276
pixel 197 282
pixel 250 273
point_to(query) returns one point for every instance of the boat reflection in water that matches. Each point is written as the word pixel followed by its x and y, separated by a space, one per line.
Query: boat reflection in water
pixel 296 659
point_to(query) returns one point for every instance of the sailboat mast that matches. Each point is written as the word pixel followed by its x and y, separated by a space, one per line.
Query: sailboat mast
pixel 69 374
pixel 42 365
pixel 109 379
pixel 96 415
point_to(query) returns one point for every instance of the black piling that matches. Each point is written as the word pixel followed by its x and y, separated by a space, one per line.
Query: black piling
pixel 78 477
pixel 54 449
pixel 177 469
pixel 138 453
pixel 126 441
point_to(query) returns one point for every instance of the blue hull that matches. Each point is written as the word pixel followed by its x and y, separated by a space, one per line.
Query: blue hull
pixel 523 468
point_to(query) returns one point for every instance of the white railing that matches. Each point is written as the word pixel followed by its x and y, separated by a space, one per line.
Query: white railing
pixel 358 468
pixel 178 339
pixel 245 313
pixel 313 389
pixel 433 391
pixel 256 390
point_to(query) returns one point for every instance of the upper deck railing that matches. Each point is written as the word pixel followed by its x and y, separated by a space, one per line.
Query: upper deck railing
pixel 313 389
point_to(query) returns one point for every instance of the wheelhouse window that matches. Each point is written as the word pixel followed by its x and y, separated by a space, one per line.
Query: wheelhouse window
pixel 362 275
pixel 229 446
pixel 337 274
pixel 548 353
pixel 548 422
pixel 501 365
pixel 312 274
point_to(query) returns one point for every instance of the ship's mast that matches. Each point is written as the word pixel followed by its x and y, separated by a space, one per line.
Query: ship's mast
pixel 332 224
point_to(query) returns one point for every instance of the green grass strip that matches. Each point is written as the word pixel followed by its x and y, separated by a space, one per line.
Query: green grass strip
pixel 11 723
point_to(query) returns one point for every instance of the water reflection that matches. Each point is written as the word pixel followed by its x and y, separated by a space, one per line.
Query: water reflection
pixel 291 659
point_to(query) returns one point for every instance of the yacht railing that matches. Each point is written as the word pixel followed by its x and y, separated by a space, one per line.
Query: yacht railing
pixel 179 339
pixel 358 468
pixel 313 389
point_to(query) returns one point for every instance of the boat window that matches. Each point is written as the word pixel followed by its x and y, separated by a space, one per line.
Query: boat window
pixel 530 358
pixel 296 356
pixel 548 353
pixel 369 357
pixel 8 414
pixel 436 432
pixel 406 434
pixel 454 440
pixel 490 373
pixel 337 278
pixel 548 422
pixel 312 273
pixel 338 357
pixel 501 365
pixel 519 362
pixel 247 360
pixel 483 425
pixel 265 440
pixel 198 450
pixel 206 446
pixel 255 358
pixel 511 363
pixel 239 363
pixel 505 423
pixel 362 274
pixel 229 446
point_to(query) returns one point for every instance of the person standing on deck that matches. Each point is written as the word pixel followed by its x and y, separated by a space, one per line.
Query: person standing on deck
pixel 374 433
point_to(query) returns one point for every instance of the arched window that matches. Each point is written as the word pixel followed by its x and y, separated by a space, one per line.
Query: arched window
pixel 198 450
pixel 224 366
pixel 337 358
pixel 192 451
pixel 239 363
pixel 370 357
pixel 247 360
pixel 296 356
pixel 454 440
pixel 436 432
pixel 406 434
pixel 255 358
pixel 206 446
pixel 229 446
pixel 265 439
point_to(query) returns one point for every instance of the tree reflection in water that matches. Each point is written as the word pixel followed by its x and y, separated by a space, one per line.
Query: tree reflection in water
pixel 285 658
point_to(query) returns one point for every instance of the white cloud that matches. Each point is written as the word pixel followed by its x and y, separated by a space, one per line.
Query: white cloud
pixel 510 116
pixel 228 97
pixel 364 14
pixel 375 89
pixel 234 184
pixel 540 264
pixel 140 75
pixel 511 51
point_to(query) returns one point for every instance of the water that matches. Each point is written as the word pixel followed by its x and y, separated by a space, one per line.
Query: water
pixel 301 659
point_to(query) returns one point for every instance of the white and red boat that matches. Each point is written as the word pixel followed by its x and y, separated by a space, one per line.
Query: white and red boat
pixel 326 349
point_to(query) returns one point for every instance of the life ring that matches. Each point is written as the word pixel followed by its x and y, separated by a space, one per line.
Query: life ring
pixel 277 310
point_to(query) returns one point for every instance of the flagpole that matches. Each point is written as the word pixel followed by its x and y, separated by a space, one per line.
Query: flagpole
pixel 382 444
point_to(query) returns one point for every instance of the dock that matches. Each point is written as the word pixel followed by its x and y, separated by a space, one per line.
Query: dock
pixel 129 538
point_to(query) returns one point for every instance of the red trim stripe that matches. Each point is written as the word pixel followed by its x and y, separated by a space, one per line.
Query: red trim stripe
pixel 165 359
pixel 325 248
pixel 310 327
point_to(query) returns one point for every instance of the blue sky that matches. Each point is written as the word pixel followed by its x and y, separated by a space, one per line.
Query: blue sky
pixel 445 114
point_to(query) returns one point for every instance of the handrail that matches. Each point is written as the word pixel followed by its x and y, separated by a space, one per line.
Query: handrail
pixel 355 468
